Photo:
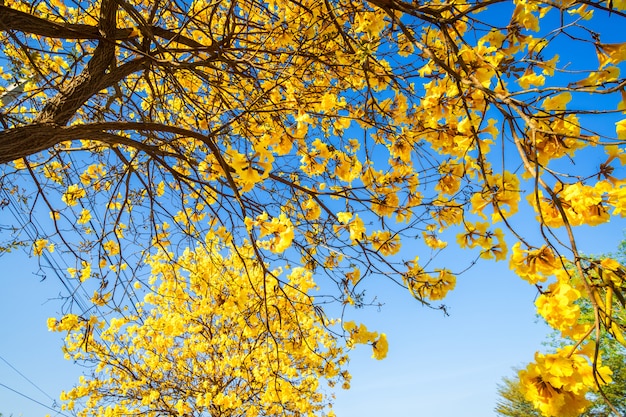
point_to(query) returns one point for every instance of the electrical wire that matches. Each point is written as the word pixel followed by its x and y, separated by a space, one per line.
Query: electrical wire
pixel 31 233
pixel 24 376
pixel 33 400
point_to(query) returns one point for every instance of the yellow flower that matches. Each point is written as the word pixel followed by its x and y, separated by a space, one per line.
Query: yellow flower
pixel 282 231
pixel 385 243
pixel 620 129
pixel 85 216
pixel 423 285
pixel 100 299
pixel 385 204
pixel 344 217
pixel 557 102
pixel 611 53
pixel 557 383
pixel 72 194
pixel 38 246
pixel 530 78
pixel 85 272
pixel 473 234
pixel 357 229
pixel 348 167
pixel 431 239
pixel 68 322
pixel 534 265
pixel 20 163
pixel 380 347
pixel 557 305
pixel 354 276
pixel 111 247
pixel 52 323
pixel 311 209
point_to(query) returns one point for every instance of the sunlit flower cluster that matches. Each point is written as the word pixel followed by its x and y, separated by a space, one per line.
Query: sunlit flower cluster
pixel 210 332
pixel 557 383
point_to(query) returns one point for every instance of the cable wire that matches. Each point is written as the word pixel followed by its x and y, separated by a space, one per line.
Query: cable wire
pixel 33 400
pixel 24 376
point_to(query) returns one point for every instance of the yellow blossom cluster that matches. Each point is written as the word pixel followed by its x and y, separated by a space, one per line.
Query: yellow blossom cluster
pixel 40 245
pixel 557 306
pixel 385 242
pixel 534 265
pixel 360 335
pixel 354 225
pixel 501 192
pixel 425 286
pixel 211 332
pixel 73 194
pixel 582 204
pixel 280 231
pixel 491 242
pixel 557 383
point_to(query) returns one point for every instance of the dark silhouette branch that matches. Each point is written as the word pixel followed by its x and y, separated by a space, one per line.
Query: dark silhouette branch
pixel 15 20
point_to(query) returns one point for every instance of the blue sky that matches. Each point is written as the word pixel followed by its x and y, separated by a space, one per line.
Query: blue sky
pixel 26 344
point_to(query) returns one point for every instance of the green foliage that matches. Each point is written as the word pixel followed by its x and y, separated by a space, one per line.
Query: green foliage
pixel 512 402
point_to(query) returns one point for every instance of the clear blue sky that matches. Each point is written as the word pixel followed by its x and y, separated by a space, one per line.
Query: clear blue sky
pixel 444 366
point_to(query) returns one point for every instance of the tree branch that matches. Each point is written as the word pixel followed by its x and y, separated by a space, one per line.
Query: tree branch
pixel 23 141
pixel 11 19
pixel 63 106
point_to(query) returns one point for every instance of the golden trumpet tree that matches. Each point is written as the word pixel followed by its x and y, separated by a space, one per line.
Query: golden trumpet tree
pixel 325 135
pixel 211 337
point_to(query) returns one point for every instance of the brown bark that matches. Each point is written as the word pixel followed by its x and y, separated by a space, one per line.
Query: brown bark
pixel 22 141
pixel 60 108
pixel 26 140
pixel 11 19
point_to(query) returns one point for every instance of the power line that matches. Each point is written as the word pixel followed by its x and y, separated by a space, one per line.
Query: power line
pixel 30 230
pixel 33 400
pixel 24 376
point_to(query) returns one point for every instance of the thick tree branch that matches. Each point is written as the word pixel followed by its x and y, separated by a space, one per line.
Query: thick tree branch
pixel 27 140
pixel 63 106
pixel 23 141
pixel 11 19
